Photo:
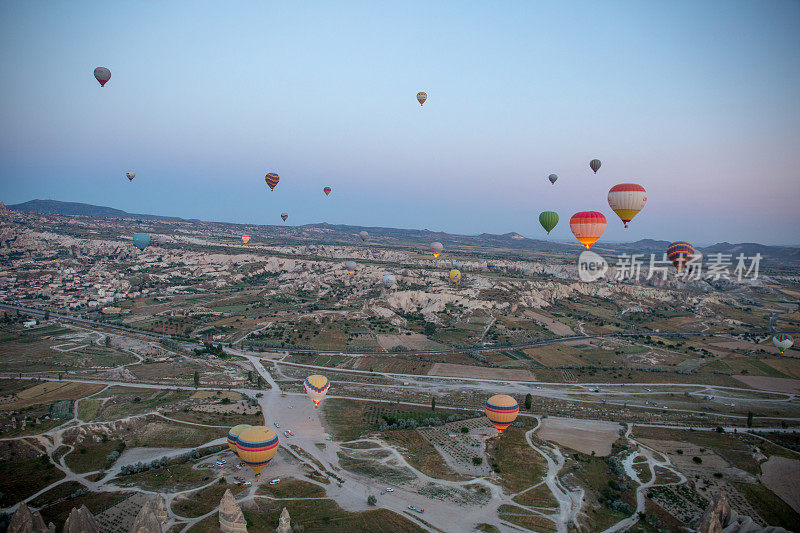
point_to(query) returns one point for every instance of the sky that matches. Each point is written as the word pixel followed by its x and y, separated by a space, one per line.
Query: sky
pixel 696 101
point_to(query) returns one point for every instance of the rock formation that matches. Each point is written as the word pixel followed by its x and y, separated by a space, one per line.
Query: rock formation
pixel 81 521
pixel 146 521
pixel 717 515
pixel 24 521
pixel 231 519
pixel 283 522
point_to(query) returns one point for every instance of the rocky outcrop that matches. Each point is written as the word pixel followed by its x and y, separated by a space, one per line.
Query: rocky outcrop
pixel 284 526
pixel 24 521
pixel 717 515
pixel 81 521
pixel 146 521
pixel 231 519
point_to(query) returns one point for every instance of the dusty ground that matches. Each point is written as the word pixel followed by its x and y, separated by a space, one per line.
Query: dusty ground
pixel 51 392
pixel 415 341
pixel 465 371
pixel 585 436
pixel 559 328
pixel 781 475
pixel 768 383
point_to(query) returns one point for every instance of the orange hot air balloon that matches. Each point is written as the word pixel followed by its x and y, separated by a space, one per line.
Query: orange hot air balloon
pixel 587 226
pixel 245 238
pixel 421 97
pixel 502 410
pixel 272 180
pixel 326 190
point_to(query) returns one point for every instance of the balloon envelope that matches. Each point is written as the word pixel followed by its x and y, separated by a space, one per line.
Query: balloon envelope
pixel 388 281
pixel 457 265
pixel 455 275
pixel 257 446
pixel 783 342
pixel 316 387
pixel 284 216
pixel 680 253
pixel 233 434
pixel 350 266
pixel 162 240
pixel 141 240
pixel 548 220
pixel 627 199
pixel 102 74
pixel 421 97
pixel 326 190
pixel 587 226
pixel 245 239
pixel 436 248
pixel 502 410
pixel 272 180
pixel 363 235
pixel 130 175
pixel 552 178
pixel 594 164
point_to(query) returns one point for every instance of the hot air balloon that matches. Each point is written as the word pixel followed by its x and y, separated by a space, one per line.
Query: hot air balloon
pixel 102 74
pixel 130 175
pixel 587 226
pixel 312 248
pixel 388 281
pixel 680 253
pixel 627 199
pixel 548 220
pixel 233 434
pixel 316 388
pixel 350 266
pixel 326 190
pixel 594 164
pixel 457 265
pixel 363 235
pixel 436 248
pixel 141 240
pixel 284 216
pixel 257 446
pixel 421 97
pixel 552 178
pixel 245 239
pixel 455 275
pixel 782 341
pixel 272 180
pixel 502 410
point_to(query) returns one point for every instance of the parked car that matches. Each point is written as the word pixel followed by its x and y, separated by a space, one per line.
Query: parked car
pixel 275 481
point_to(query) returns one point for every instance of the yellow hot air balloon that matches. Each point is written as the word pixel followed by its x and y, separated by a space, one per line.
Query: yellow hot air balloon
pixel 316 387
pixel 455 275
pixel 421 97
pixel 627 199
pixel 502 410
pixel 233 434
pixel 257 446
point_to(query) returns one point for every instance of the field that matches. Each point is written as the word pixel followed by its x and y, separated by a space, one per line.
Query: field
pixel 52 391
pixel 200 502
pixel 585 436
pixel 464 371
pixel 516 463
pixel 421 454
pixel 782 476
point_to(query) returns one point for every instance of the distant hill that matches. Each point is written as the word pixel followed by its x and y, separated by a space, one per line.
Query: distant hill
pixel 55 207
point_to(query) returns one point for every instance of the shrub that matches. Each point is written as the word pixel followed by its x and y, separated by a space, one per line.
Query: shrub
pixel 697 460
pixel 477 461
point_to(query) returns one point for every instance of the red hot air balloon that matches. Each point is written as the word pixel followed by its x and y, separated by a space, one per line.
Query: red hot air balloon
pixel 272 180
pixel 587 226
pixel 102 75
pixel 326 190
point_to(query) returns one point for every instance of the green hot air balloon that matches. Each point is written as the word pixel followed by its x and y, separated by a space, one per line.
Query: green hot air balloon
pixel 141 240
pixel 548 220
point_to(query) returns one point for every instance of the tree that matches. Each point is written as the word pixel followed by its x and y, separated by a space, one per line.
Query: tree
pixel 429 328
pixel 372 500
pixel 196 379
pixel 528 401
pixel 259 381
pixel 433 403
pixel 108 340
pixel 47 315
pixel 749 419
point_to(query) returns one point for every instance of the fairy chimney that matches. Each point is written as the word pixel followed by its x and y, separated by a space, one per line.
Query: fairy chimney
pixel 283 522
pixel 231 519
pixel 24 521
pixel 81 521
pixel 146 521
pixel 717 515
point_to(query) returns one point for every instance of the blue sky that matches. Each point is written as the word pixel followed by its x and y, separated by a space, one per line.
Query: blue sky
pixel 696 101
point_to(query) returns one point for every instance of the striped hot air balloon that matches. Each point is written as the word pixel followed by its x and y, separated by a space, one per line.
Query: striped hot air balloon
pixel 272 180
pixel 233 434
pixel 326 190
pixel 627 199
pixel 502 410
pixel 680 253
pixel 316 388
pixel 421 97
pixel 783 342
pixel 594 164
pixel 245 239
pixel 587 226
pixel 257 446
pixel 548 220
